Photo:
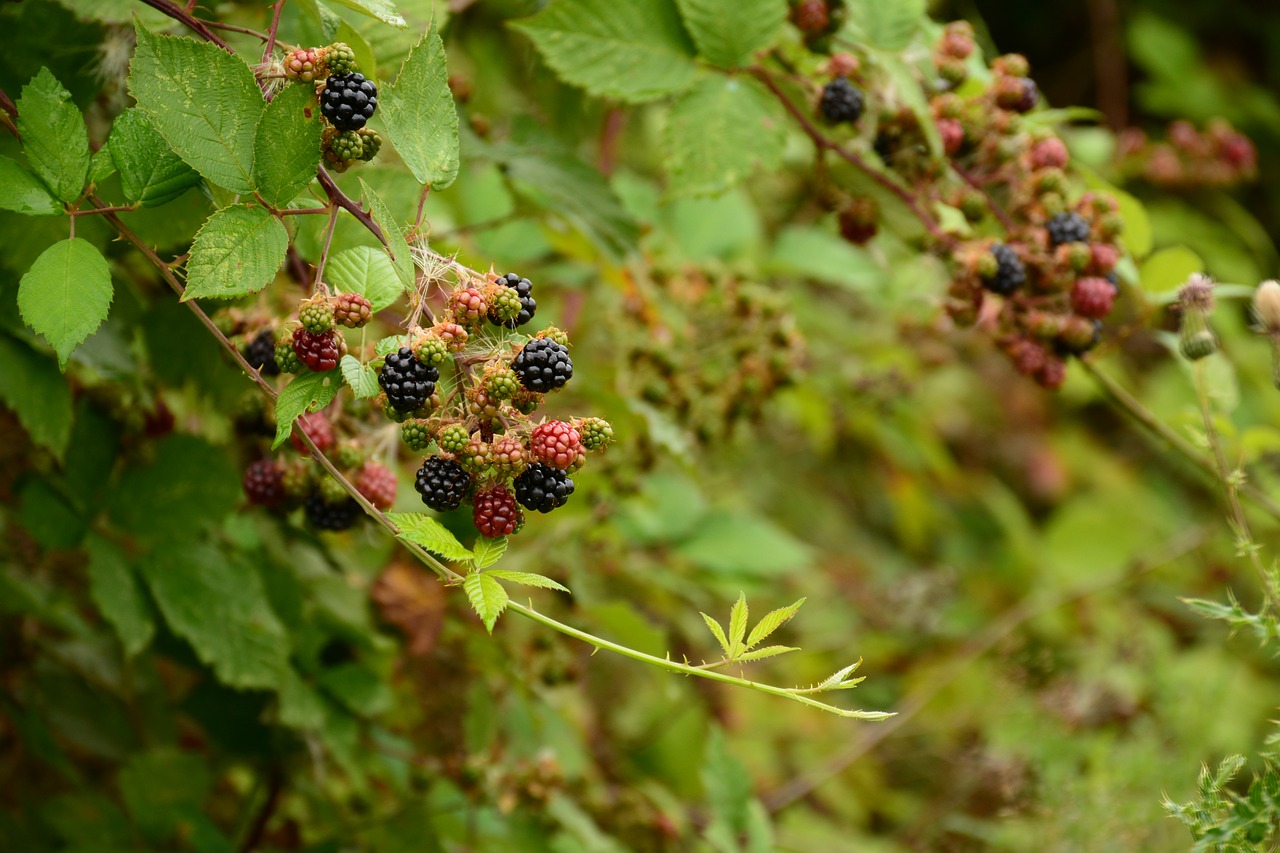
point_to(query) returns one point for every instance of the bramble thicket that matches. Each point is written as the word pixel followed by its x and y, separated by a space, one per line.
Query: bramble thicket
pixel 579 425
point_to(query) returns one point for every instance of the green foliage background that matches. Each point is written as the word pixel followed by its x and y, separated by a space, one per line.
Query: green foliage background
pixel 183 673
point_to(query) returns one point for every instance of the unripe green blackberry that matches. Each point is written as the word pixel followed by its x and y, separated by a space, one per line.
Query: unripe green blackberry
pixel 393 413
pixel 526 402
pixel 297 480
pixel 1079 255
pixel 481 404
pixel 431 350
pixel 504 305
pixel 454 439
pixel 596 433
pixel 553 333
pixel 475 456
pixel 416 433
pixel 286 358
pixel 331 490
pixel 340 59
pixel 371 143
pixel 316 315
pixel 347 145
pixel 502 384
pixel 349 455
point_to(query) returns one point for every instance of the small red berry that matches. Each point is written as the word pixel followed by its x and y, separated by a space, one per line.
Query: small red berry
pixel 318 352
pixel 264 483
pixel 352 310
pixel 1052 374
pixel 1092 297
pixel 1104 257
pixel 495 512
pixel 468 305
pixel 558 444
pixel 318 429
pixel 952 133
pixel 377 482
pixel 1049 153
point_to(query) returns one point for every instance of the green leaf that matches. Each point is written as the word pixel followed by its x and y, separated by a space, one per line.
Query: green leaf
pixel 116 593
pixel 286 147
pixel 238 251
pixel 219 606
pixel 309 392
pixel 357 687
pixel 744 544
pixel 890 26
pixel 22 192
pixel 421 119
pixel 32 387
pixel 397 246
pixel 424 530
pixel 360 376
pixel 487 597
pixel 718 633
pixel 726 782
pixel 66 294
pixel 367 271
pixel 158 785
pixel 765 652
pixel 635 51
pixel 150 171
pixel 729 32
pixel 737 625
pixel 54 136
pixel 1165 271
pixel 489 551
pixel 203 101
pixel 772 621
pixel 390 345
pixel 380 9
pixel 721 132
pixel 188 484
pixel 528 579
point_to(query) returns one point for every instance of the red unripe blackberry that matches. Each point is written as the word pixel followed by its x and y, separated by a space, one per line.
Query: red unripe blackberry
pixel 1077 335
pixel 543 365
pixel 348 101
pixel 811 17
pixel 952 133
pixel 377 483
pixel 468 305
pixel 261 353
pixel 1049 153
pixel 859 221
pixel 542 488
pixel 1092 297
pixel 1027 356
pixel 1052 374
pixel 318 352
pixel 352 310
pixel 1018 94
pixel 841 101
pixel 1104 257
pixel 957 40
pixel 558 444
pixel 264 483
pixel 507 455
pixel 305 64
pixel 323 515
pixel 318 429
pixel 452 334
pixel 495 512
pixel 442 483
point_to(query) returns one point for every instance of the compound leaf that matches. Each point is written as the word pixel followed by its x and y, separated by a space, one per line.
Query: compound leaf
pixel 721 132
pixel 22 192
pixel 309 392
pixel 32 387
pixel 360 376
pixel 422 529
pixel 367 271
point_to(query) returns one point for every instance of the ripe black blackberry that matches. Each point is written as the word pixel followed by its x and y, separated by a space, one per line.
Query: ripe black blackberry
pixel 442 483
pixel 323 515
pixel 528 307
pixel 264 483
pixel 1010 273
pixel 408 382
pixel 1067 227
pixel 543 365
pixel 348 101
pixel 841 101
pixel 542 488
pixel 261 353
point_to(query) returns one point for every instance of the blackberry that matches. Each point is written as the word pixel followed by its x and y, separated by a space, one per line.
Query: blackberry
pixel 416 433
pixel 557 444
pixel 528 307
pixel 1067 227
pixel 377 483
pixel 316 315
pixel 407 382
pixel 318 352
pixel 261 353
pixel 347 146
pixel 841 101
pixel 1092 297
pixel 1010 273
pixel 286 358
pixel 339 58
pixel 543 365
pixel 318 429
pixel 495 512
pixel 264 483
pixel 372 143
pixel 501 384
pixel 468 305
pixel 323 515
pixel 454 438
pixel 596 433
pixel 442 483
pixel 432 350
pixel 542 488
pixel 348 100
pixel 352 310
pixel 305 64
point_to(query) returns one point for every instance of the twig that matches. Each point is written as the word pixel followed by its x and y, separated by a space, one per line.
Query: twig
pixel 275 787
pixel 10 114
pixel 232 28
pixel 271 33
pixel 179 14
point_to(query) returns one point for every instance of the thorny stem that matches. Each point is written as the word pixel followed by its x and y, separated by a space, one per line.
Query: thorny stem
pixel 232 28
pixel 321 287
pixel 176 12
pixel 271 33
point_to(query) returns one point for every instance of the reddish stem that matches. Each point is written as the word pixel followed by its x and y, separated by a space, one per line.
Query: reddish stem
pixel 179 14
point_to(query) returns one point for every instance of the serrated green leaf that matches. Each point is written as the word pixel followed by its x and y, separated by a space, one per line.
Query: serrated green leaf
pixel 203 101
pixel 115 591
pixel 765 652
pixel 397 246
pixel 150 171
pixel 420 116
pixel 286 147
pixel 54 136
pixel 102 165
pixel 360 376
pixel 66 294
pixel 718 633
pixel 840 680
pixel 1168 269
pixel 635 51
pixel 32 387
pixel 721 132
pixel 390 345
pixel 890 26
pixel 238 251
pixel 737 625
pixel 367 271
pixel 22 192
pixel 727 783
pixel 489 551
pixel 188 484
pixel 487 597
pixel 381 9
pixel 528 579
pixel 772 621
pixel 309 392
pixel 729 32
pixel 424 530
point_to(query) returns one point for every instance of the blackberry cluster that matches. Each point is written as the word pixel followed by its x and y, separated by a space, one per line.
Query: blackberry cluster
pixel 841 101
pixel 528 307
pixel 543 488
pixel 408 383
pixel 1010 273
pixel 1067 227
pixel 442 483
pixel 348 101
pixel 261 353
pixel 543 365
pixel 326 515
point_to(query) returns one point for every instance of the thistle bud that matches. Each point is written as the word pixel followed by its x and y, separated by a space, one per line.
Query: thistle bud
pixel 1195 299
pixel 1266 306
